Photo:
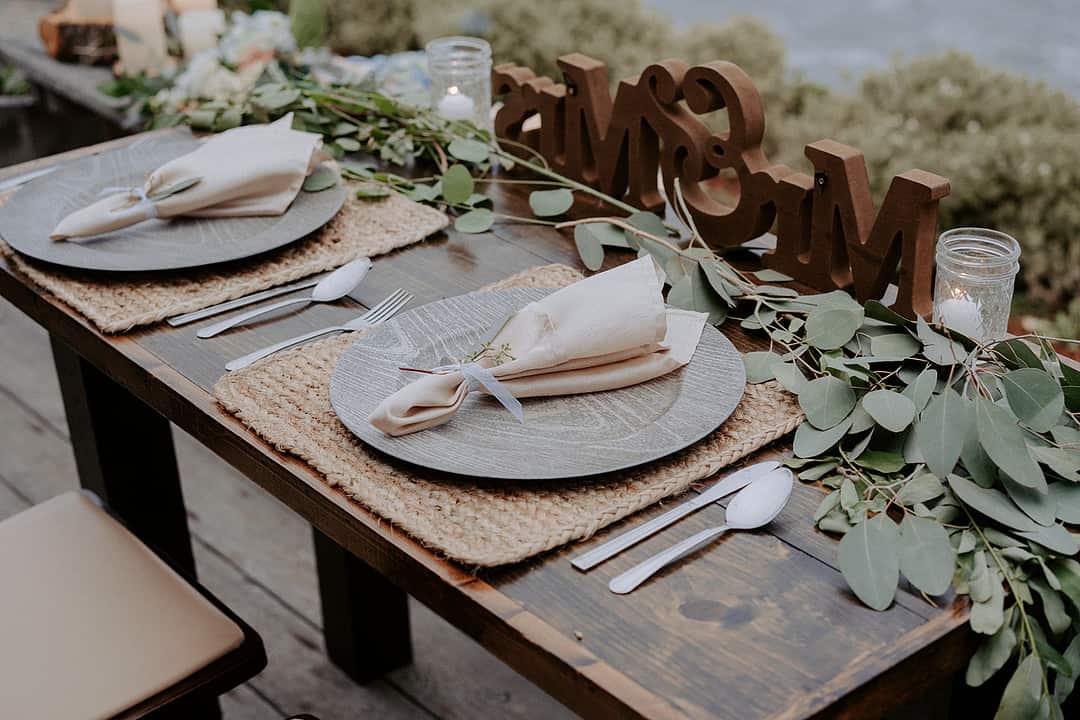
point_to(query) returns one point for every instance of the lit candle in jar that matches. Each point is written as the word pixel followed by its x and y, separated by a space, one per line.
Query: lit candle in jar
pixel 961 314
pixel 455 105
pixel 199 30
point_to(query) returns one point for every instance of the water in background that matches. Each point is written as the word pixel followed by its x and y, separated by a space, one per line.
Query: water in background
pixel 834 42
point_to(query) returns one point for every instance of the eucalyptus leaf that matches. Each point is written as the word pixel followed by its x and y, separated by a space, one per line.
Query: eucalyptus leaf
pixel 899 345
pixel 993 504
pixel 1066 497
pixel 1049 654
pixel 1004 442
pixel 759 365
pixel 589 248
pixel 978 464
pixel 321 178
pixel 608 234
pixel 829 502
pixel 830 326
pixel 912 453
pixel 919 390
pixel 347 144
pixel 1067 437
pixel 371 192
pixel 987 616
pixel 861 420
pixel 938 348
pixel 877 311
pixel 941 430
pixel 1065 463
pixel 649 223
pixel 1034 397
pixel 424 193
pixel 1053 606
pixel 475 221
pixel 817 472
pixel 693 292
pixel 1055 538
pixel 768 275
pixel 1023 692
pixel 860 447
pixel 869 560
pixel 811 442
pixel 922 488
pixel 835 522
pixel 926 557
pixel 890 409
pixel 1067 571
pixel 344 128
pixel 788 375
pixel 1070 386
pixel 991 656
pixel 980 578
pixel 472 151
pixel 826 401
pixel 1015 354
pixel 477 199
pixel 881 461
pixel 457 186
pixel 967 542
pixel 1039 506
pixel 1063 684
pixel 549 203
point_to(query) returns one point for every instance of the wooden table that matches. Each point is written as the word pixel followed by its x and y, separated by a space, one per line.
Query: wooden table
pixel 769 632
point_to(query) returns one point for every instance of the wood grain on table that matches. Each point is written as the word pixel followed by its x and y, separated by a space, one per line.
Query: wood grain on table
pixel 760 625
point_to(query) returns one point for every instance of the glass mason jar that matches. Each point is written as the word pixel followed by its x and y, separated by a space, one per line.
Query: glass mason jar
pixel 973 290
pixel 460 71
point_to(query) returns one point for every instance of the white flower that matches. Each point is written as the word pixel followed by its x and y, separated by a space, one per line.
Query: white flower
pixel 263 33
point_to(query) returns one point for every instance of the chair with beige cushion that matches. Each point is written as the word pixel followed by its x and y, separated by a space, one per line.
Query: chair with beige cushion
pixel 93 624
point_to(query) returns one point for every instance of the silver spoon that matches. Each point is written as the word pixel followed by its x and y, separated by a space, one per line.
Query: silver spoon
pixel 754 506
pixel 333 287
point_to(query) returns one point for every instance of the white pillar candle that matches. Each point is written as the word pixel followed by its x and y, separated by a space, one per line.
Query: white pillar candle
pixel 455 105
pixel 91 9
pixel 962 315
pixel 199 30
pixel 140 36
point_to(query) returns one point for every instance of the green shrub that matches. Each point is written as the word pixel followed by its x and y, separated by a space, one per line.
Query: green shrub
pixel 534 34
pixel 1007 144
pixel 370 27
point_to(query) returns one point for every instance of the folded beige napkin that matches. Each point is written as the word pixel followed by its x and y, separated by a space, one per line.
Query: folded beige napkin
pixel 605 332
pixel 253 170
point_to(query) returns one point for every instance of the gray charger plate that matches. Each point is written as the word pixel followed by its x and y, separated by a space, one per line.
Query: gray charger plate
pixel 562 437
pixel 28 217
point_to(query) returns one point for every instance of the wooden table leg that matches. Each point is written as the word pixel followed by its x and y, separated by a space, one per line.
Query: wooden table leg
pixel 124 453
pixel 365 616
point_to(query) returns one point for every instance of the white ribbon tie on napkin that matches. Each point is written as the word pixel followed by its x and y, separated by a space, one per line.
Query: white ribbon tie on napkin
pixel 243 172
pixel 608 331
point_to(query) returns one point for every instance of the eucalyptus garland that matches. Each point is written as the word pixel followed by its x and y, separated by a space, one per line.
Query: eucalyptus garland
pixel 951 465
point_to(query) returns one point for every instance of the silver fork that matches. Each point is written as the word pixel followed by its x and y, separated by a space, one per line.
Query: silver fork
pixel 378 314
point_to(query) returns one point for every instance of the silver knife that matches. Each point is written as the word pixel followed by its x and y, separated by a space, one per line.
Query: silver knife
pixel 241 302
pixel 26 177
pixel 734 481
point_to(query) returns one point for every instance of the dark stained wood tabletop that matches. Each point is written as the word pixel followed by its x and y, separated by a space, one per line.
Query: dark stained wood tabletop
pixel 759 625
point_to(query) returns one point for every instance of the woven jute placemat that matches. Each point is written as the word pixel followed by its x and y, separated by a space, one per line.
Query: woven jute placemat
pixel 285 399
pixel 117 304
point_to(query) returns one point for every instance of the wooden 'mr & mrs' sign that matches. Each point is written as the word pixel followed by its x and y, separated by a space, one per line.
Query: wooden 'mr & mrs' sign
pixel 828 234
